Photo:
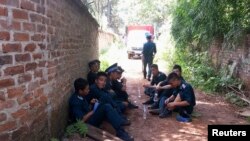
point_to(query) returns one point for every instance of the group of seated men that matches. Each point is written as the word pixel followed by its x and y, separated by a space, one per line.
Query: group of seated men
pixel 173 94
pixel 102 97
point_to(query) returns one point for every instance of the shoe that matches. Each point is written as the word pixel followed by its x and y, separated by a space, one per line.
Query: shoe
pixel 126 123
pixel 165 114
pixel 153 106
pixel 150 101
pixel 154 112
pixel 149 79
pixel 183 119
pixel 122 134
pixel 132 106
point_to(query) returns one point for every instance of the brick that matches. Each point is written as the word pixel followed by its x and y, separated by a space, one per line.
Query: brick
pixel 7 104
pixel 37 56
pixel 39 73
pixel 41 28
pixel 21 37
pixel 8 126
pixel 33 85
pixel 42 64
pixel 50 30
pixel 43 100
pixel 36 18
pixel 43 81
pixel 20 14
pixel 34 104
pixel 25 98
pixel 29 27
pixel 3 117
pixel 6 83
pixel 3 11
pixel 30 66
pixel 37 37
pixel 22 57
pixel 27 5
pixel 12 48
pixel 19 113
pixel 30 47
pixel 15 92
pixel 2 96
pixel 15 25
pixel 5 137
pixel 4 35
pixel 14 3
pixel 3 24
pixel 24 78
pixel 40 9
pixel 42 46
pixel 14 70
pixel 6 59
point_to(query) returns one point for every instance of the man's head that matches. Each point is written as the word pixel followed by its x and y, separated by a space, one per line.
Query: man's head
pixel 81 86
pixel 94 66
pixel 113 73
pixel 174 79
pixel 154 69
pixel 177 69
pixel 120 71
pixel 149 37
pixel 100 80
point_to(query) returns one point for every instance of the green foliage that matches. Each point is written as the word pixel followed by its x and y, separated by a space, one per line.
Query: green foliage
pixel 233 98
pixel 200 21
pixel 78 127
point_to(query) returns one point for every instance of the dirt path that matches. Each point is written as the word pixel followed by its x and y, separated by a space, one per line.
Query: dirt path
pixel 213 110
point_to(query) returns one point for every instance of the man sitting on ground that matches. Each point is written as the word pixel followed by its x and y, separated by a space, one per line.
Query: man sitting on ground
pixel 182 101
pixel 150 89
pixel 80 110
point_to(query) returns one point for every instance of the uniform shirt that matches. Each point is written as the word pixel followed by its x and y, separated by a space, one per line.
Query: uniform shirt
pixel 157 79
pixel 149 49
pixel 120 94
pixel 186 93
pixel 78 106
pixel 102 95
pixel 91 77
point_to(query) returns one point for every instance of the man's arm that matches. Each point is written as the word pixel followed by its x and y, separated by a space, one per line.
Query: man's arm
pixel 155 50
pixel 87 116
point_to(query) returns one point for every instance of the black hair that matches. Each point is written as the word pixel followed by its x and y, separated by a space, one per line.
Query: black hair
pixel 97 61
pixel 154 66
pixel 90 64
pixel 100 74
pixel 173 76
pixel 149 37
pixel 80 84
pixel 177 67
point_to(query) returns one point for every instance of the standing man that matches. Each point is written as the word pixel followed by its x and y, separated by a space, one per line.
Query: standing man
pixel 148 52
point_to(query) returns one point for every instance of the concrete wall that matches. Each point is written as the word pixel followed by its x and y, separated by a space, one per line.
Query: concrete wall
pixel 44 46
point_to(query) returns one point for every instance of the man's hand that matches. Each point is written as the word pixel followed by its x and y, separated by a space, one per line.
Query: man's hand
pixel 93 101
pixel 146 85
pixel 171 106
pixel 166 101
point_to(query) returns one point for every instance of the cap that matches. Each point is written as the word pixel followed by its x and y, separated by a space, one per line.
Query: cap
pixel 120 69
pixel 112 66
pixel 97 61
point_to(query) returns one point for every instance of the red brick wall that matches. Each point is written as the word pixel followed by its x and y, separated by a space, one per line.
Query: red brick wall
pixel 241 56
pixel 44 46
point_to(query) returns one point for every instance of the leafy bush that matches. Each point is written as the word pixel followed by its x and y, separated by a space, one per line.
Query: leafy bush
pixel 78 127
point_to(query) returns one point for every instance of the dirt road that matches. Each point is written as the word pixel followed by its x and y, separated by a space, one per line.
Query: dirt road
pixel 212 110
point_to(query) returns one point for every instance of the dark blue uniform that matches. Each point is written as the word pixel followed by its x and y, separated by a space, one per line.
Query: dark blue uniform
pixel 120 94
pixel 156 79
pixel 186 93
pixel 149 49
pixel 91 77
pixel 105 97
pixel 79 107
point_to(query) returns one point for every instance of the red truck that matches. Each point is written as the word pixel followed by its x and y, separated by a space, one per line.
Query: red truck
pixel 136 37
